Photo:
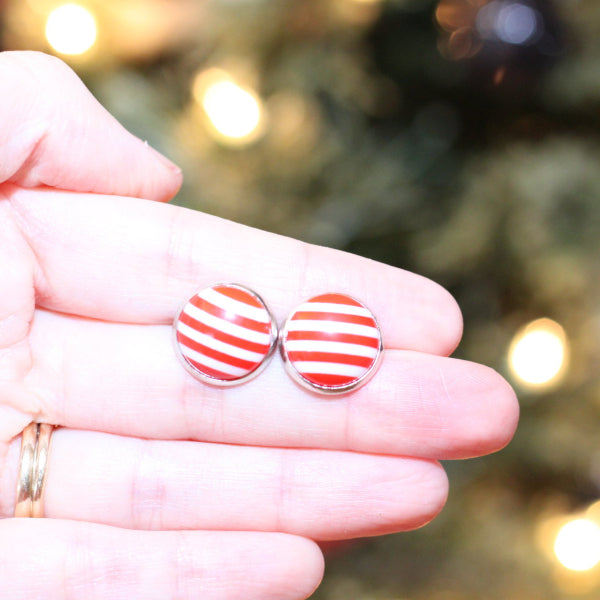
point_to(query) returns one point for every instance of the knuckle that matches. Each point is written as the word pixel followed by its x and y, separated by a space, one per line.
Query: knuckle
pixel 148 491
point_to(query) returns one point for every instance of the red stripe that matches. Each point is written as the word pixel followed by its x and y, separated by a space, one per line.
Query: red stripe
pixel 239 295
pixel 211 372
pixel 337 317
pixel 337 299
pixel 329 357
pixel 329 380
pixel 223 337
pixel 216 311
pixel 320 336
pixel 249 365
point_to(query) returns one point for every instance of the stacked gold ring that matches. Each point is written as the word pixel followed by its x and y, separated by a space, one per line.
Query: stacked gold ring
pixel 35 447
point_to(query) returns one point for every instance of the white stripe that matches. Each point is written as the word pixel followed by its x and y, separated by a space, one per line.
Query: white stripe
pixel 333 327
pixel 329 369
pixel 206 340
pixel 330 307
pixel 225 326
pixel 235 306
pixel 332 347
pixel 214 364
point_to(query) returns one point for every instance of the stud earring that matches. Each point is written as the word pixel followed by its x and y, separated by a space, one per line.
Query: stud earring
pixel 331 344
pixel 225 335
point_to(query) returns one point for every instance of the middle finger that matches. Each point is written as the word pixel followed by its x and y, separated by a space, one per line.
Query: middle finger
pixel 125 379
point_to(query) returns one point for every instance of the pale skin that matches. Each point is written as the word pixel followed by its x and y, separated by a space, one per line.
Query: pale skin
pixel 160 486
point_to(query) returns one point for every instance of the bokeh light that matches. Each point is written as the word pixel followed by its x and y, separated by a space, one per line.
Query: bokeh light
pixel 538 353
pixel 467 24
pixel 510 21
pixel 357 12
pixel 235 113
pixel 577 545
pixel 71 29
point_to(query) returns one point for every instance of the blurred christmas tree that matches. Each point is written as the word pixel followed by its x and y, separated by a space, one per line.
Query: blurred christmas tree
pixel 456 138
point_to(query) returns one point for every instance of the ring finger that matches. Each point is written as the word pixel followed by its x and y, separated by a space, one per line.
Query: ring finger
pixel 142 484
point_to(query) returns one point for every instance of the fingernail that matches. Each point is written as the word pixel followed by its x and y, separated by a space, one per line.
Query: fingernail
pixel 163 159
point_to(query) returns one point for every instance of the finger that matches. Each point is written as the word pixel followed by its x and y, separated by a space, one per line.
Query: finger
pixel 54 133
pixel 55 560
pixel 17 305
pixel 322 495
pixel 126 379
pixel 154 257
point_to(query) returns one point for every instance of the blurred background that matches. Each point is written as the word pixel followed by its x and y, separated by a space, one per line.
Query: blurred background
pixel 456 138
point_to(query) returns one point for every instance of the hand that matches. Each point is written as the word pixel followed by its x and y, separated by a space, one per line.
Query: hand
pixel 160 486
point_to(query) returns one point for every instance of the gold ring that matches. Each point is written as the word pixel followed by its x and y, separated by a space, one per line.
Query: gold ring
pixel 35 446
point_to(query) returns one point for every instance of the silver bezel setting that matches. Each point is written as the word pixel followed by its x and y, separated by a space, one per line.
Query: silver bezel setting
pixel 274 336
pixel 326 389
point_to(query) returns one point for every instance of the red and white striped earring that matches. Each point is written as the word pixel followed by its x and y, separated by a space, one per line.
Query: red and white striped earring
pixel 331 344
pixel 225 334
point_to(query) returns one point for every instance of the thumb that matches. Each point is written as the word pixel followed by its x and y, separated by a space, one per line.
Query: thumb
pixel 54 133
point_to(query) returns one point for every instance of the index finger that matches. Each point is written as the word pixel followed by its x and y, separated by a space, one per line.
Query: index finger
pixel 123 259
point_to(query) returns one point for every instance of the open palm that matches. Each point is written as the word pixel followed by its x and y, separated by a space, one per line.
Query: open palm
pixel 160 486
